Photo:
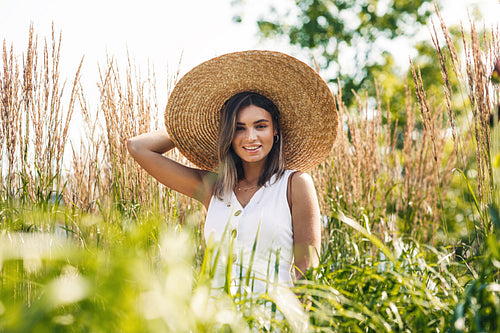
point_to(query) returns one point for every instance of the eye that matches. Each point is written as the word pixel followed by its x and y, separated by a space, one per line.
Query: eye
pixel 239 128
pixel 261 126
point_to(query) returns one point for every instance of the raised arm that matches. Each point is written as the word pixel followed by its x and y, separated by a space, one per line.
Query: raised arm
pixel 306 223
pixel 148 149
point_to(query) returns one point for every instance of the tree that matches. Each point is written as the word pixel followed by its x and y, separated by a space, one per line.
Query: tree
pixel 358 33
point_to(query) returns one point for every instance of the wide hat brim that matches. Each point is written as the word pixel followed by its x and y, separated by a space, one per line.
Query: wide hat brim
pixel 306 105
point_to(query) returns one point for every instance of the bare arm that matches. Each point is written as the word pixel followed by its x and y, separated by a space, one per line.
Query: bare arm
pixel 148 149
pixel 306 223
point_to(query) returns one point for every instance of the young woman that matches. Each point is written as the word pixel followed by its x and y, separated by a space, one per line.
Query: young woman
pixel 251 120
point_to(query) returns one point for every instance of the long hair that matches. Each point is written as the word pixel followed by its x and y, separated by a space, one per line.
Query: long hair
pixel 230 165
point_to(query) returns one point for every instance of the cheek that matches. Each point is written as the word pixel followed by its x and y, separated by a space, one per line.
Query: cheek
pixel 236 138
pixel 272 133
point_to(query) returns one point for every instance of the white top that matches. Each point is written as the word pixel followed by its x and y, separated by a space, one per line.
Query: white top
pixel 238 228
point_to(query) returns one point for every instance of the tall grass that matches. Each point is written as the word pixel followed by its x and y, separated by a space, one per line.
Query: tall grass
pixel 94 244
pixel 481 50
pixel 395 189
pixel 34 122
pixel 479 310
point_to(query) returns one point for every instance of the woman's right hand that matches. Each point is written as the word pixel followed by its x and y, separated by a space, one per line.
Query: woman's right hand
pixel 148 149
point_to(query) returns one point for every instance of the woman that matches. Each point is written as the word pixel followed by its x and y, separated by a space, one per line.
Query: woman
pixel 249 120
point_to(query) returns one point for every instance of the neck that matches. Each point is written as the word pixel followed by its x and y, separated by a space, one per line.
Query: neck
pixel 252 172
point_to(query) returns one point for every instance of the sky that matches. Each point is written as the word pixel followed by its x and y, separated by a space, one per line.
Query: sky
pixel 159 32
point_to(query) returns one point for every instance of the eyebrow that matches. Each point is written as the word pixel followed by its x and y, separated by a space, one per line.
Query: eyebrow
pixel 255 122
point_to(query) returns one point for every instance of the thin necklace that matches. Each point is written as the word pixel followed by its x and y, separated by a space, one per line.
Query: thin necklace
pixel 246 189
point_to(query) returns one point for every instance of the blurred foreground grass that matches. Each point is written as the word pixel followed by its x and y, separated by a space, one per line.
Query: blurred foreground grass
pixel 144 275
pixel 103 276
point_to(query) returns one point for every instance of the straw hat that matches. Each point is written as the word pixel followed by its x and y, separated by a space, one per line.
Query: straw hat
pixel 306 105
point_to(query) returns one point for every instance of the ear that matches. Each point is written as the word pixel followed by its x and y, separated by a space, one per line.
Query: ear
pixel 275 132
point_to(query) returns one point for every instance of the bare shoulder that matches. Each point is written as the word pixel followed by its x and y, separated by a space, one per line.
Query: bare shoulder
pixel 303 194
pixel 305 205
pixel 302 183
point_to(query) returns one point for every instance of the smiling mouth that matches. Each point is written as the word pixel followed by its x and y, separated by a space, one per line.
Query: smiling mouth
pixel 252 148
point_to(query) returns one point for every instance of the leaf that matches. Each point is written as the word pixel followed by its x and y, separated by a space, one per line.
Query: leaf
pixel 377 242
pixel 495 216
pixel 471 191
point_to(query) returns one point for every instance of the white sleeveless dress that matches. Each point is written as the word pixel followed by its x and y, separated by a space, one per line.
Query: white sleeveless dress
pixel 264 223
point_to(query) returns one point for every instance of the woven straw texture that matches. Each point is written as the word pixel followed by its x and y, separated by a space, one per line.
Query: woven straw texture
pixel 306 105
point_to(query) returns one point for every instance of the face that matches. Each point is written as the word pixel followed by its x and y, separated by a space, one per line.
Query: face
pixel 254 135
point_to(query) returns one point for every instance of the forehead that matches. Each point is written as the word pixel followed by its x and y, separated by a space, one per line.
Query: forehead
pixel 252 113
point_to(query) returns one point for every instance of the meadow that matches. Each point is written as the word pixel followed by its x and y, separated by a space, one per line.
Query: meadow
pixel 90 243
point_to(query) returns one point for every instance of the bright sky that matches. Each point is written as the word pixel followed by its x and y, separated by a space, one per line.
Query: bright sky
pixel 159 31
pixel 151 30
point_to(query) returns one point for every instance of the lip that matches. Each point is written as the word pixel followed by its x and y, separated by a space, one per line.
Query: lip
pixel 252 149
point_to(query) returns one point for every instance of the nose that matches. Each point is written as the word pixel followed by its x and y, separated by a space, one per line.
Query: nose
pixel 251 135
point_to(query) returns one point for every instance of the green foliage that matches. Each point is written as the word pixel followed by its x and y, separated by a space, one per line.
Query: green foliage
pixel 381 286
pixel 357 30
pixel 127 277
pixel 479 308
pixel 113 273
